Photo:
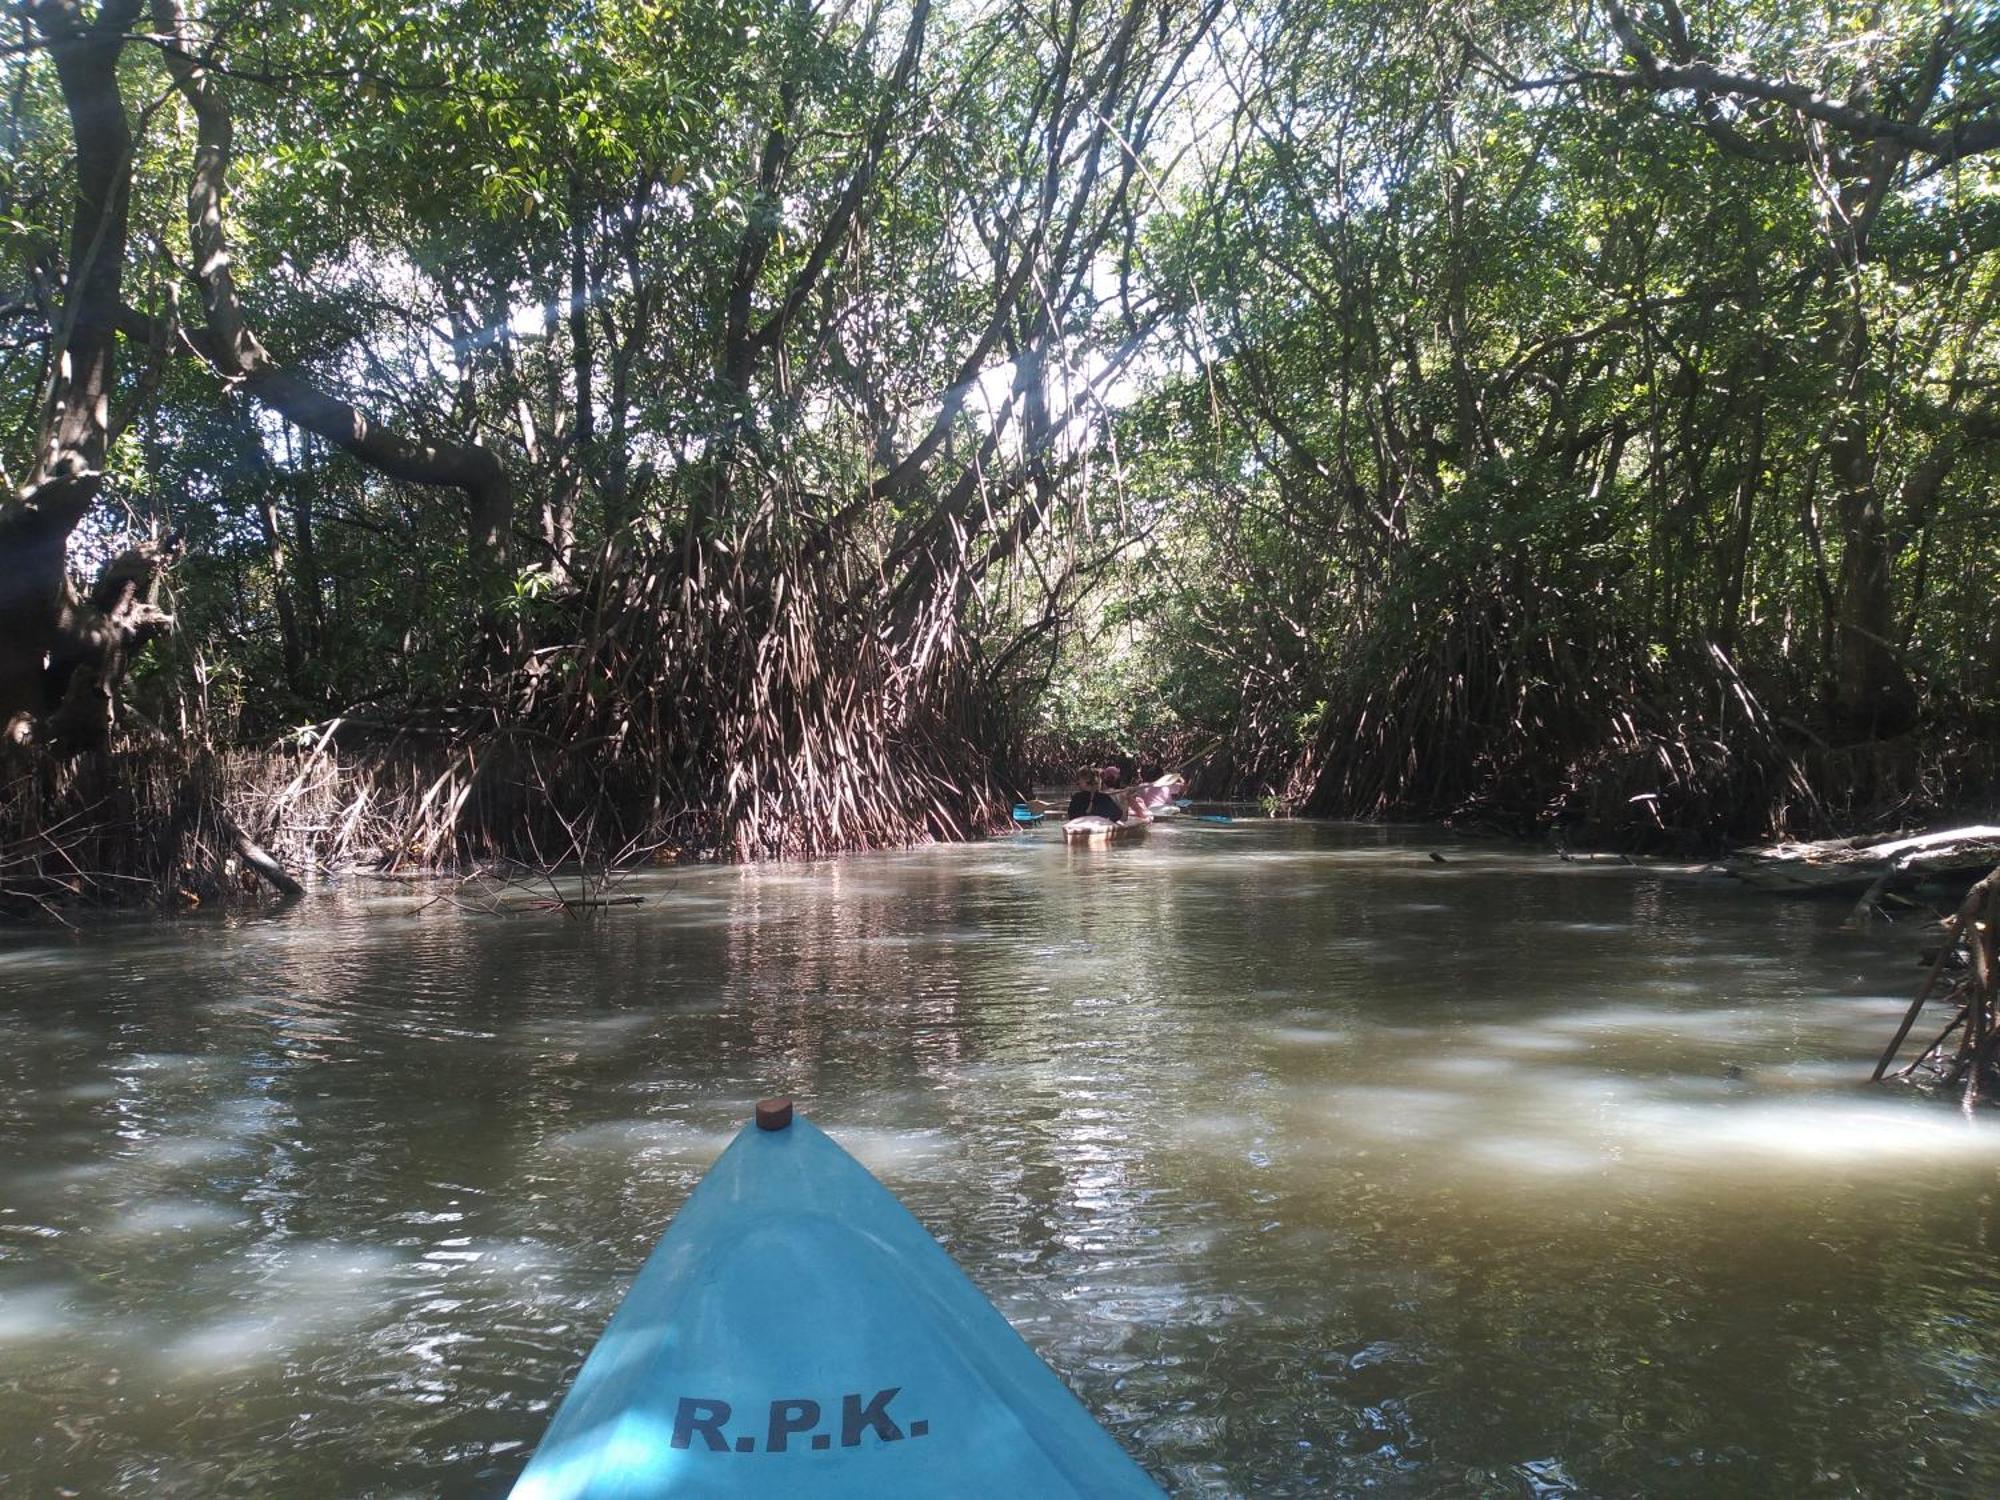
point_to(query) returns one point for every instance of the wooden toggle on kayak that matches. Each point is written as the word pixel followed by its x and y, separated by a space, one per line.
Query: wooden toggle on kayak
pixel 798 1333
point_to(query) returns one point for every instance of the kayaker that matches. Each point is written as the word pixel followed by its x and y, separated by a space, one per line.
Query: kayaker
pixel 1090 800
pixel 1125 796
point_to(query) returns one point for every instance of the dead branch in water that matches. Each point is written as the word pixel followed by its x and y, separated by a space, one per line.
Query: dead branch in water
pixel 1968 954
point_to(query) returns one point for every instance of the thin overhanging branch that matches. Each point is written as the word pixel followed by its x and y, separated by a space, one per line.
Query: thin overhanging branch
pixel 1707 80
pixel 235 350
pixel 852 197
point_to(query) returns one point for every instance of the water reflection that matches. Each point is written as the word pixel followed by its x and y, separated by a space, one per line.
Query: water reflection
pixel 1314 1165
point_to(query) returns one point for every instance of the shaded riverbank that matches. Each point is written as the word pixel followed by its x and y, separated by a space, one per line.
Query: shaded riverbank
pixel 1311 1163
pixel 178 830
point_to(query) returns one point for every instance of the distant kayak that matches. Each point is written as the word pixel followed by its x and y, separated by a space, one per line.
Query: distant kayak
pixel 798 1333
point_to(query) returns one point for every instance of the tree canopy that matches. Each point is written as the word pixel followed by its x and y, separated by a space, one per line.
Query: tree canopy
pixel 783 409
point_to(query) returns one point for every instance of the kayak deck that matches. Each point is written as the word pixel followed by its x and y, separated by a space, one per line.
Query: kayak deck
pixel 796 1332
pixel 1096 830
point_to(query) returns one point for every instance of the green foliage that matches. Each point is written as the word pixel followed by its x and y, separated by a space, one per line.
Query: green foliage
pixel 1514 402
pixel 1479 396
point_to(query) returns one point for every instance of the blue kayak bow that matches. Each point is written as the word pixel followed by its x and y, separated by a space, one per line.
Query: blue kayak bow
pixel 798 1333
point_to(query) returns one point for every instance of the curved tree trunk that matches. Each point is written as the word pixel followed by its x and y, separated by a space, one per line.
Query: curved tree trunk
pixel 56 648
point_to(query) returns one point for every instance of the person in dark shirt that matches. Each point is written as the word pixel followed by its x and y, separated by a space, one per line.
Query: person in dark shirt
pixel 1090 800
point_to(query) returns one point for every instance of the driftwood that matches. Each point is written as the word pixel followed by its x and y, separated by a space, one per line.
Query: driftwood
pixel 1865 864
pixel 569 906
pixel 1972 995
pixel 255 857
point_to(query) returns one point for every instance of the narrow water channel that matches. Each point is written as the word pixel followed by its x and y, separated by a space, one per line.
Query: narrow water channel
pixel 1314 1165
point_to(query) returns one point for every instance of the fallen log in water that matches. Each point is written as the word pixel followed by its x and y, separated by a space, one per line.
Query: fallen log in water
pixel 256 858
pixel 1864 864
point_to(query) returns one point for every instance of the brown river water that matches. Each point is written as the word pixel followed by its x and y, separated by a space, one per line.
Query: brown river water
pixel 1314 1166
